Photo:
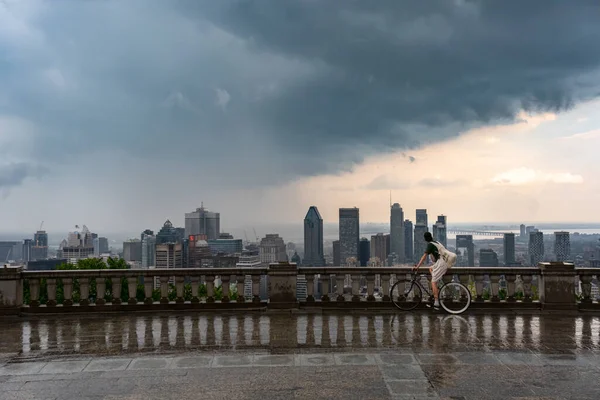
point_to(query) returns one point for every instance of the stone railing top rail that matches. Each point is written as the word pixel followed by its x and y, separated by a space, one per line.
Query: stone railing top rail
pixel 424 270
pixel 130 273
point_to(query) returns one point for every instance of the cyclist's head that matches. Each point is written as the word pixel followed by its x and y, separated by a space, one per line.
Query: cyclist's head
pixel 428 237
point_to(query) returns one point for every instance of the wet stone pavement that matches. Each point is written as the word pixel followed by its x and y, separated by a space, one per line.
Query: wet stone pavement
pixel 305 355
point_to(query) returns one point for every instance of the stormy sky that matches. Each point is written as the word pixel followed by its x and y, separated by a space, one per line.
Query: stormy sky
pixel 121 114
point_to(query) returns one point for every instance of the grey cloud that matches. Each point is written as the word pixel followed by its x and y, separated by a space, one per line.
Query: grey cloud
pixel 434 182
pixel 269 91
pixel 14 174
pixel 386 182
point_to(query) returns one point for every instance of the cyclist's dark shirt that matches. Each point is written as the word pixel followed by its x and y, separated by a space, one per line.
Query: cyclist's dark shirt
pixel 433 250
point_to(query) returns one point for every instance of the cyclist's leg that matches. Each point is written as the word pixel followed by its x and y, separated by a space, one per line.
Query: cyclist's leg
pixel 437 272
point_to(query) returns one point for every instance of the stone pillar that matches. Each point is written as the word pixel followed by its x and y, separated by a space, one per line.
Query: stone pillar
pixel 11 290
pixel 282 283
pixel 557 286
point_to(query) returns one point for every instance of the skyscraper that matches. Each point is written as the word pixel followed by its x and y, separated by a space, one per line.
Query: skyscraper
pixel 132 250
pixel 272 249
pixel 169 234
pixel 27 250
pixel 522 232
pixel 562 246
pixel 509 249
pixel 536 248
pixel 313 238
pixel 421 217
pixel 169 255
pixel 336 253
pixel 100 246
pixel 365 252
pixel 465 242
pixel 203 222
pixel 488 258
pixel 420 229
pixel 39 250
pixel 378 248
pixel 439 230
pixel 148 250
pixel 397 233
pixel 408 241
pixel 349 234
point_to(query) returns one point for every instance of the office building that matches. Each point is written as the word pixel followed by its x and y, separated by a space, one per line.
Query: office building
pixel 440 230
pixel 419 241
pixel 379 249
pixel 488 258
pixel 45 265
pixel 225 235
pixel 199 252
pixel 536 248
pixel 100 246
pixel 349 228
pixel 169 234
pixel 226 246
pixel 522 232
pixel 26 253
pixel 203 222
pixel 465 251
pixel 313 238
pixel 408 241
pixel 78 245
pixel 421 219
pixel 365 252
pixel 148 250
pixel 296 258
pixel 272 249
pixel 397 245
pixel 529 229
pixel 336 253
pixel 562 246
pixel 509 249
pixel 39 250
pixel 169 255
pixel 132 250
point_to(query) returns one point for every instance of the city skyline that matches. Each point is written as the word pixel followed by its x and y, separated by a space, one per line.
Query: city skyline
pixel 261 119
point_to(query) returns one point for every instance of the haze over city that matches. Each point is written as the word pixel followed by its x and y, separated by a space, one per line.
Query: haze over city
pixel 120 115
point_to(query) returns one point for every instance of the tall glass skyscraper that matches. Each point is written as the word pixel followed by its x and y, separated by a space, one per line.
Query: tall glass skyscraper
pixel 536 248
pixel 397 233
pixel 509 249
pixel 313 238
pixel 562 246
pixel 349 234
pixel 203 222
pixel 408 241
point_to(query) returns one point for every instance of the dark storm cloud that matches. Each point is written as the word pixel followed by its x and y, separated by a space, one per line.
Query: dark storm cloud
pixel 280 89
pixel 15 173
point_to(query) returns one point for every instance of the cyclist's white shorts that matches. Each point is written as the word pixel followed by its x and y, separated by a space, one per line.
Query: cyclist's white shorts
pixel 438 270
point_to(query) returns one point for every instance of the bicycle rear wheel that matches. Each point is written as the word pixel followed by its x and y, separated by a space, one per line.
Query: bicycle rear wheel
pixel 406 294
pixel 455 298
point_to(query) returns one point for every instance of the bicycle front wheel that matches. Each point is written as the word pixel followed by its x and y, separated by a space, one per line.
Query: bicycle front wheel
pixel 455 298
pixel 406 294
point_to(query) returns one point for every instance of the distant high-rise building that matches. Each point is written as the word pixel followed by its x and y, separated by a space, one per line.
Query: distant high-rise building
pixel 365 252
pixel 529 229
pixel 536 248
pixel 397 244
pixel 488 258
pixel 421 217
pixel 226 246
pixel 408 241
pixel 379 247
pixel 79 245
pixel 439 230
pixel 169 234
pixel 225 235
pixel 349 234
pixel 169 255
pixel 199 251
pixel 26 254
pixel 40 238
pixel 39 249
pixel 272 249
pixel 522 232
pixel 509 249
pixel 132 250
pixel 313 238
pixel 296 259
pixel 464 243
pixel 100 246
pixel 562 246
pixel 203 222
pixel 8 249
pixel 148 250
pixel 336 253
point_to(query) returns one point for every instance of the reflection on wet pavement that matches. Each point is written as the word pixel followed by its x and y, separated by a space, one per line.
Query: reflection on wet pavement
pixel 419 332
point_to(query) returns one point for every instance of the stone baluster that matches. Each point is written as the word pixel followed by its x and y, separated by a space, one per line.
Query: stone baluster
pixel 447 279
pixel 34 292
pixel 527 297
pixel 132 290
pixel 385 286
pixel 100 291
pixel 210 288
pixel 84 291
pixel 195 284
pixel 256 288
pixel 148 289
pixel 179 286
pixel 67 291
pixel 340 278
pixel 325 286
pixel 510 287
pixel 225 279
pixel 464 279
pixel 370 287
pixel 310 288
pixel 586 288
pixel 240 279
pixel 116 290
pixel 355 287
pixel 51 286
pixel 479 286
pixel 164 290
pixel 495 286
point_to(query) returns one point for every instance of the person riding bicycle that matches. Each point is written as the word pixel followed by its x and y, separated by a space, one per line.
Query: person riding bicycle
pixel 442 261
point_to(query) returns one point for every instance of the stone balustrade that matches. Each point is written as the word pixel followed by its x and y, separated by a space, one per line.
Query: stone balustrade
pixel 552 286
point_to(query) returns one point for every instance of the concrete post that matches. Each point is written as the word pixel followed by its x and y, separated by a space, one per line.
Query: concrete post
pixel 11 290
pixel 282 283
pixel 557 286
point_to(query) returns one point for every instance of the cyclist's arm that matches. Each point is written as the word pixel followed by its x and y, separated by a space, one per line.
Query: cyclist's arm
pixel 421 261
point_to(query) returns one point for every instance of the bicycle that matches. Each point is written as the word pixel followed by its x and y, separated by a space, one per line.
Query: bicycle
pixel 407 294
